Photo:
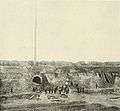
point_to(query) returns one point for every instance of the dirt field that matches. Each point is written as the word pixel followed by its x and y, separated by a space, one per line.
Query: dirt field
pixel 74 102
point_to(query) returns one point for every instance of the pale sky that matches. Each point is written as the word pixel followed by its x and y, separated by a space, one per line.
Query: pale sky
pixel 70 30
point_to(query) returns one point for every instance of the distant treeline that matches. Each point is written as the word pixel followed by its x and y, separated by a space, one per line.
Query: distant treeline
pixel 60 63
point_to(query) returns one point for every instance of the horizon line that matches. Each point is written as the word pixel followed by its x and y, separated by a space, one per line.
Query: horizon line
pixel 58 60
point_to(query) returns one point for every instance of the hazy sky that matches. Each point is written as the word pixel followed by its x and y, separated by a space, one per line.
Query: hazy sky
pixel 69 30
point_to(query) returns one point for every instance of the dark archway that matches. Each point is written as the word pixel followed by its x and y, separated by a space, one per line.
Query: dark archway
pixel 37 80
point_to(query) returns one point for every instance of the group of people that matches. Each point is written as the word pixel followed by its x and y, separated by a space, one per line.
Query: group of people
pixel 50 88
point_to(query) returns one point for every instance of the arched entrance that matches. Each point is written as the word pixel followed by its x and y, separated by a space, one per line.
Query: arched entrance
pixel 37 80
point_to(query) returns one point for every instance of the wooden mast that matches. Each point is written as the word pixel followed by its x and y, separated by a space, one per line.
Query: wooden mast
pixel 35 33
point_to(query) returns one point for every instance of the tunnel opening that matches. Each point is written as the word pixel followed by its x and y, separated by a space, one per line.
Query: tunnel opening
pixel 37 80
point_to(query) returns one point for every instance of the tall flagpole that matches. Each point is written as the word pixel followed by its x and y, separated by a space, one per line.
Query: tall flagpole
pixel 35 33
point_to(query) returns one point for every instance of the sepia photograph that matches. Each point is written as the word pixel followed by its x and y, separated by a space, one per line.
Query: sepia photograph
pixel 59 55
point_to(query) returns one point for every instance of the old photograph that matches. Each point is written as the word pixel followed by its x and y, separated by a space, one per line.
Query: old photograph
pixel 60 55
